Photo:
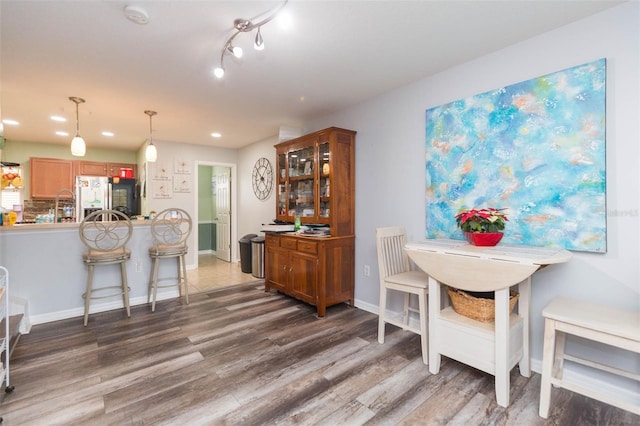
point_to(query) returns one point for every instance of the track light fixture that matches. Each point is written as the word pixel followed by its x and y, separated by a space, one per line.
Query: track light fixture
pixel 78 147
pixel 245 26
pixel 151 153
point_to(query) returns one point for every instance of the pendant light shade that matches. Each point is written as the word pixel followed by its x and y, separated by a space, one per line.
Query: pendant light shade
pixel 78 147
pixel 151 153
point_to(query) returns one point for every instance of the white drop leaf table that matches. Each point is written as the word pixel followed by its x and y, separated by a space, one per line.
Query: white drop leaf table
pixel 494 347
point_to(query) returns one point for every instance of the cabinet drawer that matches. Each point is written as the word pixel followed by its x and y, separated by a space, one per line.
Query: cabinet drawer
pixel 271 241
pixel 289 243
pixel 308 246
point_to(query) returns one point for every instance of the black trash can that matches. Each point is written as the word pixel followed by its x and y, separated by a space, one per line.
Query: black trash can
pixel 257 257
pixel 245 253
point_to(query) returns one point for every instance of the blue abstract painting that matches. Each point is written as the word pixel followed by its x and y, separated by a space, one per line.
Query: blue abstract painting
pixel 536 148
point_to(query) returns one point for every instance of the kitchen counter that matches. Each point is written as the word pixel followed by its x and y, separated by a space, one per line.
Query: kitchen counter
pixel 50 226
pixel 45 262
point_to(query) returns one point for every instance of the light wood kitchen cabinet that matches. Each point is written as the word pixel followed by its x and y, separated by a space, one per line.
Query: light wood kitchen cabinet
pixel 48 176
pixel 101 168
pixel 113 169
pixel 319 271
pixel 90 168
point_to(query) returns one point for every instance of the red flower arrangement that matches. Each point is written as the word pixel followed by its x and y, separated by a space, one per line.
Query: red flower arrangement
pixel 482 220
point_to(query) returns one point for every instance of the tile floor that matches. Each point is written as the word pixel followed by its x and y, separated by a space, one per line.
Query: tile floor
pixel 214 273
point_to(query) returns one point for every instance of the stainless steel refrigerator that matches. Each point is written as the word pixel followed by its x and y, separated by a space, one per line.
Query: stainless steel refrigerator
pixel 96 193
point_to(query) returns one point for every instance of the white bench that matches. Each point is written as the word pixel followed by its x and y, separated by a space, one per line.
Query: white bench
pixel 603 324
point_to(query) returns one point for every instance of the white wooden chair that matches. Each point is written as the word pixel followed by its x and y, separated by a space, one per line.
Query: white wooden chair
pixel 105 233
pixel 396 274
pixel 170 230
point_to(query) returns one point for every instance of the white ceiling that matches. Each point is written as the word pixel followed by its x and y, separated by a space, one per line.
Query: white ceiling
pixel 337 54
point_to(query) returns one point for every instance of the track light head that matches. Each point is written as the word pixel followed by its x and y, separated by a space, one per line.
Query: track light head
pixel 259 42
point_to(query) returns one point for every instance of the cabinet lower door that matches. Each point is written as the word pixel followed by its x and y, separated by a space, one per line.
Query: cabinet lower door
pixel 304 277
pixel 277 268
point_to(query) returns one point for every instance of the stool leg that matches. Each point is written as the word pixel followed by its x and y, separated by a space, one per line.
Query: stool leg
pixel 125 288
pixel 156 267
pixel 424 325
pixel 558 360
pixel 183 279
pixel 381 313
pixel 87 295
pixel 150 286
pixel 547 366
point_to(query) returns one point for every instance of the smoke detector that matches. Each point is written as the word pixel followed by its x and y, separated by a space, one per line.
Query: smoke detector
pixel 136 14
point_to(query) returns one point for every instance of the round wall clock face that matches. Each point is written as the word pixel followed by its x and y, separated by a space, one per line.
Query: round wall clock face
pixel 262 178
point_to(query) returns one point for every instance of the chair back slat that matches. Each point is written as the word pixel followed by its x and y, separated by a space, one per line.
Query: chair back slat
pixel 392 258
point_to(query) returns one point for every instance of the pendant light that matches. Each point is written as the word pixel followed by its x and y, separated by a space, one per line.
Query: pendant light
pixel 78 147
pixel 151 153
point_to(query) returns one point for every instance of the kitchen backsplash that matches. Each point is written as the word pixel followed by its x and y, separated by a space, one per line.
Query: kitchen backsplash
pixel 33 208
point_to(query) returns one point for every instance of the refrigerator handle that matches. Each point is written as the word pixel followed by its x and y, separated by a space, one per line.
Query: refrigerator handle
pixel 109 196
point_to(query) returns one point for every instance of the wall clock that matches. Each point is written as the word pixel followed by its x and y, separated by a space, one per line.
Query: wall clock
pixel 262 178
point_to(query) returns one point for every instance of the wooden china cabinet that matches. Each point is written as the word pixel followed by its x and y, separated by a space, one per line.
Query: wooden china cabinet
pixel 315 177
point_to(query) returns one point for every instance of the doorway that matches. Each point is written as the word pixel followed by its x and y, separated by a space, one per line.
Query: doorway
pixel 216 226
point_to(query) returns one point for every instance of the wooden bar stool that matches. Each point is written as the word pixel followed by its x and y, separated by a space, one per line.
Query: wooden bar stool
pixel 170 230
pixel 105 233
pixel 598 323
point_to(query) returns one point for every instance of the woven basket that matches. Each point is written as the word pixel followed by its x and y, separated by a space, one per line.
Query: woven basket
pixel 477 308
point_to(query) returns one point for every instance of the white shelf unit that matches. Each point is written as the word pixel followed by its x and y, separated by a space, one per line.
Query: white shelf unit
pixel 4 342
pixel 4 314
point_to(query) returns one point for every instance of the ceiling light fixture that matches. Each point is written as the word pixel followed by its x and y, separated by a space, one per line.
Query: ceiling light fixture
pixel 78 147
pixel 245 26
pixel 151 153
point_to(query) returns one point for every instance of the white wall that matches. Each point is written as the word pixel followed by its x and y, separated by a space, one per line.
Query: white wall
pixel 167 153
pixel 252 212
pixel 390 152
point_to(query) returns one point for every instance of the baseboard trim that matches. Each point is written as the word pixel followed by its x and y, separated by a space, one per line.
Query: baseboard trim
pixel 98 307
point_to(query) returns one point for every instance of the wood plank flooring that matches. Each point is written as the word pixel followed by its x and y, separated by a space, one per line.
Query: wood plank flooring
pixel 240 356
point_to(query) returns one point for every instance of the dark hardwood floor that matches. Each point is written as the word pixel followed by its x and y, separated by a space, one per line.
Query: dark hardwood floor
pixel 240 356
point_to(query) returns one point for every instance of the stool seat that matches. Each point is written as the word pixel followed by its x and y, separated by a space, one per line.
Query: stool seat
pixel 168 250
pixel 611 326
pixel 111 256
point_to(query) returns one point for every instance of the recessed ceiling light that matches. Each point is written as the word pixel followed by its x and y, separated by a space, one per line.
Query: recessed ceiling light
pixel 216 134
pixel 107 133
pixel 136 14
pixel 61 133
pixel 10 122
pixel 58 118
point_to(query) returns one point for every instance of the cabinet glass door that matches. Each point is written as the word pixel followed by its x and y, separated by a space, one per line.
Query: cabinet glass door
pixel 325 181
pixel 301 183
pixel 282 185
